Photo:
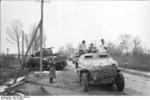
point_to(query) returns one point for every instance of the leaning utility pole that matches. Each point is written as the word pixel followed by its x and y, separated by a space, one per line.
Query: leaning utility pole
pixel 26 54
pixel 41 39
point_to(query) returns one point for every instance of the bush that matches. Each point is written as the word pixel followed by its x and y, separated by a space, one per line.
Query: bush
pixel 137 62
pixel 8 60
pixel 8 67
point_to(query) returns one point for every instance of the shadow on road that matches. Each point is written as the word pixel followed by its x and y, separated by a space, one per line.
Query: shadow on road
pixel 104 89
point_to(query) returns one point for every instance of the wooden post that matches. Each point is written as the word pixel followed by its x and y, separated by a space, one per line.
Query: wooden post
pixel 44 41
pixel 7 51
pixel 22 45
pixel 41 39
pixel 0 33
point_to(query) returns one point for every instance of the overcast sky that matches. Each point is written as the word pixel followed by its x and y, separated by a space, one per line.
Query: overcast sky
pixel 72 21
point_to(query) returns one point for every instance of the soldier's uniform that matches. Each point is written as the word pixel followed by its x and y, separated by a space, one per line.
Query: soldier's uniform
pixel 52 73
pixel 104 47
pixel 92 48
pixel 82 49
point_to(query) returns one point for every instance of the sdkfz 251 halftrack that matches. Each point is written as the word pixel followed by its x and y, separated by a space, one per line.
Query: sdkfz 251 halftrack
pixel 99 68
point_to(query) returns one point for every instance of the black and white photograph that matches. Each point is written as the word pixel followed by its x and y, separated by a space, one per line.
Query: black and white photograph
pixel 74 48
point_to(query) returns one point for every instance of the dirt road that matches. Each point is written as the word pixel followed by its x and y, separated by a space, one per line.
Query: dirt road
pixel 136 85
pixel 66 84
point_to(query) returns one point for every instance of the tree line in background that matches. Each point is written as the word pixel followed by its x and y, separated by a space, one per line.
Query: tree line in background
pixel 10 63
pixel 126 46
pixel 15 34
pixel 128 50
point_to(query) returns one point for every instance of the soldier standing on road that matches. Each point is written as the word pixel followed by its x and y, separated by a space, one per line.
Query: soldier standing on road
pixel 52 72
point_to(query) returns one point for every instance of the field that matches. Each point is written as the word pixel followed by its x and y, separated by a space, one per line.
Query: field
pixel 138 62
pixel 9 68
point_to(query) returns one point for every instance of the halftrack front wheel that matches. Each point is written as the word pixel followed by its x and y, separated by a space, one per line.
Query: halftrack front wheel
pixel 120 81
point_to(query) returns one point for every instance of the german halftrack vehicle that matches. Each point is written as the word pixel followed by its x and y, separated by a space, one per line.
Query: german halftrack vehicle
pixel 99 68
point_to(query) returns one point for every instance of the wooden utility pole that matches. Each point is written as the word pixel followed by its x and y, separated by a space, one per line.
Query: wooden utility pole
pixel 0 33
pixel 22 45
pixel 7 51
pixel 41 39
pixel 44 37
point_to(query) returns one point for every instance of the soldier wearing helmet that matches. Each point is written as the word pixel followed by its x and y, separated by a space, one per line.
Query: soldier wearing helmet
pixel 82 47
pixel 103 45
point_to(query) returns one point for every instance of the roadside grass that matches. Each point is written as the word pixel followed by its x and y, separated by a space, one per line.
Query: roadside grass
pixel 9 68
pixel 138 62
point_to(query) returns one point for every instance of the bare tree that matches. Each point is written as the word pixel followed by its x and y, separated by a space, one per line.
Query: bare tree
pixel 26 40
pixel 136 45
pixel 14 31
pixel 70 49
pixel 125 42
pixel 67 50
pixel 36 43
pixel 61 50
pixel 112 47
pixel 28 37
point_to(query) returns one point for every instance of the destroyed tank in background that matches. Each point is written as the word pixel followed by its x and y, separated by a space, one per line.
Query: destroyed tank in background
pixel 48 57
pixel 99 68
